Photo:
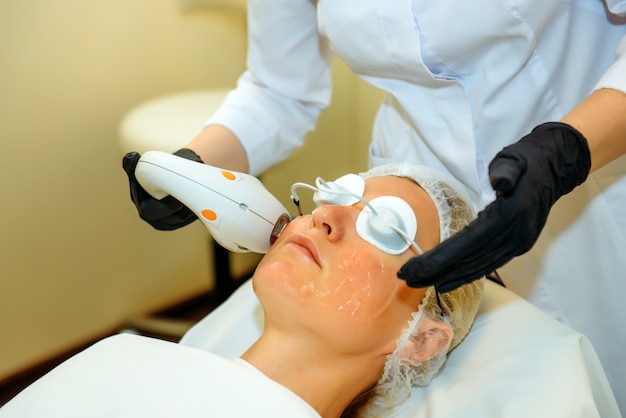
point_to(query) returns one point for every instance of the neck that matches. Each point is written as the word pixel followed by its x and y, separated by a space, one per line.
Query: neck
pixel 326 380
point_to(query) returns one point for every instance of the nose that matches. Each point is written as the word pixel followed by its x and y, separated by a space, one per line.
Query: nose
pixel 333 219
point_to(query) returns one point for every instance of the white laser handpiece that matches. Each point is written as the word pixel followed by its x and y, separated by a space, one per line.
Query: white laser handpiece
pixel 239 212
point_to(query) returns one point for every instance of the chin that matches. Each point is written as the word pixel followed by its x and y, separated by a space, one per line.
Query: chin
pixel 277 276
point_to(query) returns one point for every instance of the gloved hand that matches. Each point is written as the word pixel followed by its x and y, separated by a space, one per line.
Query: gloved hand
pixel 528 177
pixel 166 214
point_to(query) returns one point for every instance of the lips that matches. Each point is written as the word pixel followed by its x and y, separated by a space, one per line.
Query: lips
pixel 306 245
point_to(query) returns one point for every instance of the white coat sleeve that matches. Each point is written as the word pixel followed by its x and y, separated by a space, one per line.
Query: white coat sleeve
pixel 287 83
pixel 615 77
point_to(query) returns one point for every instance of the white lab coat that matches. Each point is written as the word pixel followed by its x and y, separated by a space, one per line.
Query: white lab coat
pixel 464 79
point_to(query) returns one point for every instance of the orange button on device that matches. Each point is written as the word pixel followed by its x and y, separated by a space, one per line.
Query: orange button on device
pixel 209 214
pixel 229 175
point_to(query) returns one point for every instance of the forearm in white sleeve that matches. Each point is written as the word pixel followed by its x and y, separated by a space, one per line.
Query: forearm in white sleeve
pixel 615 77
pixel 288 82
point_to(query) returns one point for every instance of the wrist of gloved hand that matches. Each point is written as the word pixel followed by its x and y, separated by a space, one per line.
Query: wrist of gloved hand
pixel 165 214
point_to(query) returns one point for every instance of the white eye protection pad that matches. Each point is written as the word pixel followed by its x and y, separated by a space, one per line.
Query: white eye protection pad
pixel 387 222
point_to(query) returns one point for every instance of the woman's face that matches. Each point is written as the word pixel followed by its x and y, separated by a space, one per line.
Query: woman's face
pixel 321 280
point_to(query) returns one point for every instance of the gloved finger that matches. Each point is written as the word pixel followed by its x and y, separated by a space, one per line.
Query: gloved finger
pixel 129 163
pixel 452 282
pixel 472 270
pixel 137 193
pixel 477 238
pixel 179 218
pixel 462 271
pixel 483 241
pixel 504 173
pixel 142 199
pixel 151 209
pixel 437 268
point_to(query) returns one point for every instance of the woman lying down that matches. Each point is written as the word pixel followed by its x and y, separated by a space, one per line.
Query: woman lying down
pixel 342 333
pixel 341 330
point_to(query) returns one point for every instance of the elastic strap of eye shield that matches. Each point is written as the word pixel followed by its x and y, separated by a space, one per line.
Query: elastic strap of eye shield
pixel 439 302
pixel 294 196
pixel 495 277
pixel 322 185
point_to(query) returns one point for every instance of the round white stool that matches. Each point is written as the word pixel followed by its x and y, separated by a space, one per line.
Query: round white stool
pixel 167 123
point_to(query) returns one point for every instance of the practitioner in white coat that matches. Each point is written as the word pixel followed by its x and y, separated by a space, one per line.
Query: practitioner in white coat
pixel 463 80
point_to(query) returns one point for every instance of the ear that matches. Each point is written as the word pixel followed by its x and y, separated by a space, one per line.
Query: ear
pixel 430 339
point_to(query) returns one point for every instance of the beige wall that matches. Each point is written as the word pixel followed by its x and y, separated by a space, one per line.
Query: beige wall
pixel 75 260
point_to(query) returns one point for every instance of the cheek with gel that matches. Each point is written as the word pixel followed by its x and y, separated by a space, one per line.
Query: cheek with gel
pixel 354 287
pixel 350 305
pixel 313 292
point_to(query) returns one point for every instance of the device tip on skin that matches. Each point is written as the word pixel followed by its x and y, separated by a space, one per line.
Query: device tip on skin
pixel 279 226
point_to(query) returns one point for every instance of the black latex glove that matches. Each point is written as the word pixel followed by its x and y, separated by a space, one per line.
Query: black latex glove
pixel 528 177
pixel 165 214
